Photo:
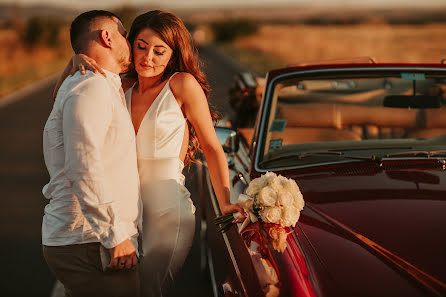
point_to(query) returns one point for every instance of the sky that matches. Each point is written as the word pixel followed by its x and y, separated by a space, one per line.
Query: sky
pixel 216 3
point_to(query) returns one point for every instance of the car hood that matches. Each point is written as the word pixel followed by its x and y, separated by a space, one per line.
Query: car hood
pixel 370 230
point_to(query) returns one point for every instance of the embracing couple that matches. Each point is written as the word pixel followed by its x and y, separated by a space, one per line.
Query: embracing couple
pixel 119 220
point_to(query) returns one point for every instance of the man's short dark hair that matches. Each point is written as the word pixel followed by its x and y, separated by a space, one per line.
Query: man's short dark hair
pixel 81 24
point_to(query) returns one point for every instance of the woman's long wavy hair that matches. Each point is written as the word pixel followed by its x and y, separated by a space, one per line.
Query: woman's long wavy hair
pixel 184 58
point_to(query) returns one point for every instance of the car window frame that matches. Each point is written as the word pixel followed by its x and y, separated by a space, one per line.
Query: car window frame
pixel 265 107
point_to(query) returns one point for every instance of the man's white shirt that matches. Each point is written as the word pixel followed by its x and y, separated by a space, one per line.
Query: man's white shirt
pixel 90 153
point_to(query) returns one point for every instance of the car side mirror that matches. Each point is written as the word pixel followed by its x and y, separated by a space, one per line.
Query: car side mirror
pixel 229 139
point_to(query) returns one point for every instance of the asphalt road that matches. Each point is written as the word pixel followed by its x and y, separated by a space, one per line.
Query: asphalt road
pixel 23 271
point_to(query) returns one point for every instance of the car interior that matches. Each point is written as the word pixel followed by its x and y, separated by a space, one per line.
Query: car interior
pixel 357 109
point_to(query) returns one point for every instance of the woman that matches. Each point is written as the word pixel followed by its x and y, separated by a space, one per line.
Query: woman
pixel 166 97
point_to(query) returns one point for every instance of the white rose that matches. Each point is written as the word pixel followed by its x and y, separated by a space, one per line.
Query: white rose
pixel 291 186
pixel 290 216
pixel 271 215
pixel 275 184
pixel 269 175
pixel 283 180
pixel 256 185
pixel 267 197
pixel 245 201
pixel 299 202
pixel 284 198
pixel 294 190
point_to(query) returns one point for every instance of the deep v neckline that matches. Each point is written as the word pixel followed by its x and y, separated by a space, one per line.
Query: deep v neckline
pixel 148 109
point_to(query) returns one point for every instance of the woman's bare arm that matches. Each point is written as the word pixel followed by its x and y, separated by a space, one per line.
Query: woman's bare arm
pixel 190 94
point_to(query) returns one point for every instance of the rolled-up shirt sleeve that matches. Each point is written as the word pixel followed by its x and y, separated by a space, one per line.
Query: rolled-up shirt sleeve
pixel 86 121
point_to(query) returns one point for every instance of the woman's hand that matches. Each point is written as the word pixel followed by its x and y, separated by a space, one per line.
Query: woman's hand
pixel 78 62
pixel 82 63
pixel 231 208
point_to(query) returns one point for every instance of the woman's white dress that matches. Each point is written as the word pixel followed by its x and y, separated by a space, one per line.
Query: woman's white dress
pixel 168 222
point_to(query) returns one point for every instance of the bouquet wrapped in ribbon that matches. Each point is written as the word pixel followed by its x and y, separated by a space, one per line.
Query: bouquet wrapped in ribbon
pixel 272 199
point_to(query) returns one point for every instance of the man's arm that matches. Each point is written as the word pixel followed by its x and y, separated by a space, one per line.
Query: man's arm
pixel 86 120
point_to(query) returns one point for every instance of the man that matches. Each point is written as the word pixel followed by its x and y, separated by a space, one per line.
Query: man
pixel 90 152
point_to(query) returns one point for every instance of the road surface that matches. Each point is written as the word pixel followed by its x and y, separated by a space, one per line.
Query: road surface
pixel 22 175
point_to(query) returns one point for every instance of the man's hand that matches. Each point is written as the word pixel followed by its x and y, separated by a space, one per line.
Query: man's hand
pixel 123 256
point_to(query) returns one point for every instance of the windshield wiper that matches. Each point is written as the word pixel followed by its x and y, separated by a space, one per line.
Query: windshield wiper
pixel 300 156
pixel 426 154
pixel 326 153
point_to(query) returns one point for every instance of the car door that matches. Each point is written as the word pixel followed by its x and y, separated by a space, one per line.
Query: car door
pixel 230 267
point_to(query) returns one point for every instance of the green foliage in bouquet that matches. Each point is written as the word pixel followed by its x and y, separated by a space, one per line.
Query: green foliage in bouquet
pixel 224 222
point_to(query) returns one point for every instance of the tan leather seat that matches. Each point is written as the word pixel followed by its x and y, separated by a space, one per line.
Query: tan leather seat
pixel 339 116
pixel 310 115
pixel 435 118
pixel 366 122
pixel 427 133
pixel 308 123
pixel 293 135
pixel 431 122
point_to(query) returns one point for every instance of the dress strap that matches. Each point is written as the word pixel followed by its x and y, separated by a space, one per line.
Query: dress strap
pixel 172 76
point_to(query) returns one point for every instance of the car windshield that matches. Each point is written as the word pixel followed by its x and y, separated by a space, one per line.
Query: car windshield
pixel 353 115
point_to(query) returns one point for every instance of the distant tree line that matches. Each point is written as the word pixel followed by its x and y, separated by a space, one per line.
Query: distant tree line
pixel 127 14
pixel 228 30
pixel 47 31
pixel 43 31
pixel 375 17
pixel 391 20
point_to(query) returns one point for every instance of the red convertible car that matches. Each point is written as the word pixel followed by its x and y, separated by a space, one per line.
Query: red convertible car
pixel 366 143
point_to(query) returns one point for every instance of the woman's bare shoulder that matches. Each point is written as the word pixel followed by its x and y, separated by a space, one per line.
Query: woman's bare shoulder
pixel 184 83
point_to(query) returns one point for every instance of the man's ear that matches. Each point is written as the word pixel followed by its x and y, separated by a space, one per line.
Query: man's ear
pixel 105 37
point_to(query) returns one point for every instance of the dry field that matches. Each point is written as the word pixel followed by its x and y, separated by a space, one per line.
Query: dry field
pixel 20 66
pixel 291 44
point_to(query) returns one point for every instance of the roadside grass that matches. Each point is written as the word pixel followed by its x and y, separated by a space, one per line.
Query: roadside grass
pixel 294 44
pixel 22 66
pixel 12 82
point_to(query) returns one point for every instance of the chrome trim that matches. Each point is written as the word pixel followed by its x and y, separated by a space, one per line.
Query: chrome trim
pixel 211 272
pixel 242 178
pixel 267 96
pixel 439 159
pixel 225 237
pixel 203 244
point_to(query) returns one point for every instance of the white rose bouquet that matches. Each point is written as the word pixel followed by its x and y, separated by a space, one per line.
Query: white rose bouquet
pixel 272 199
